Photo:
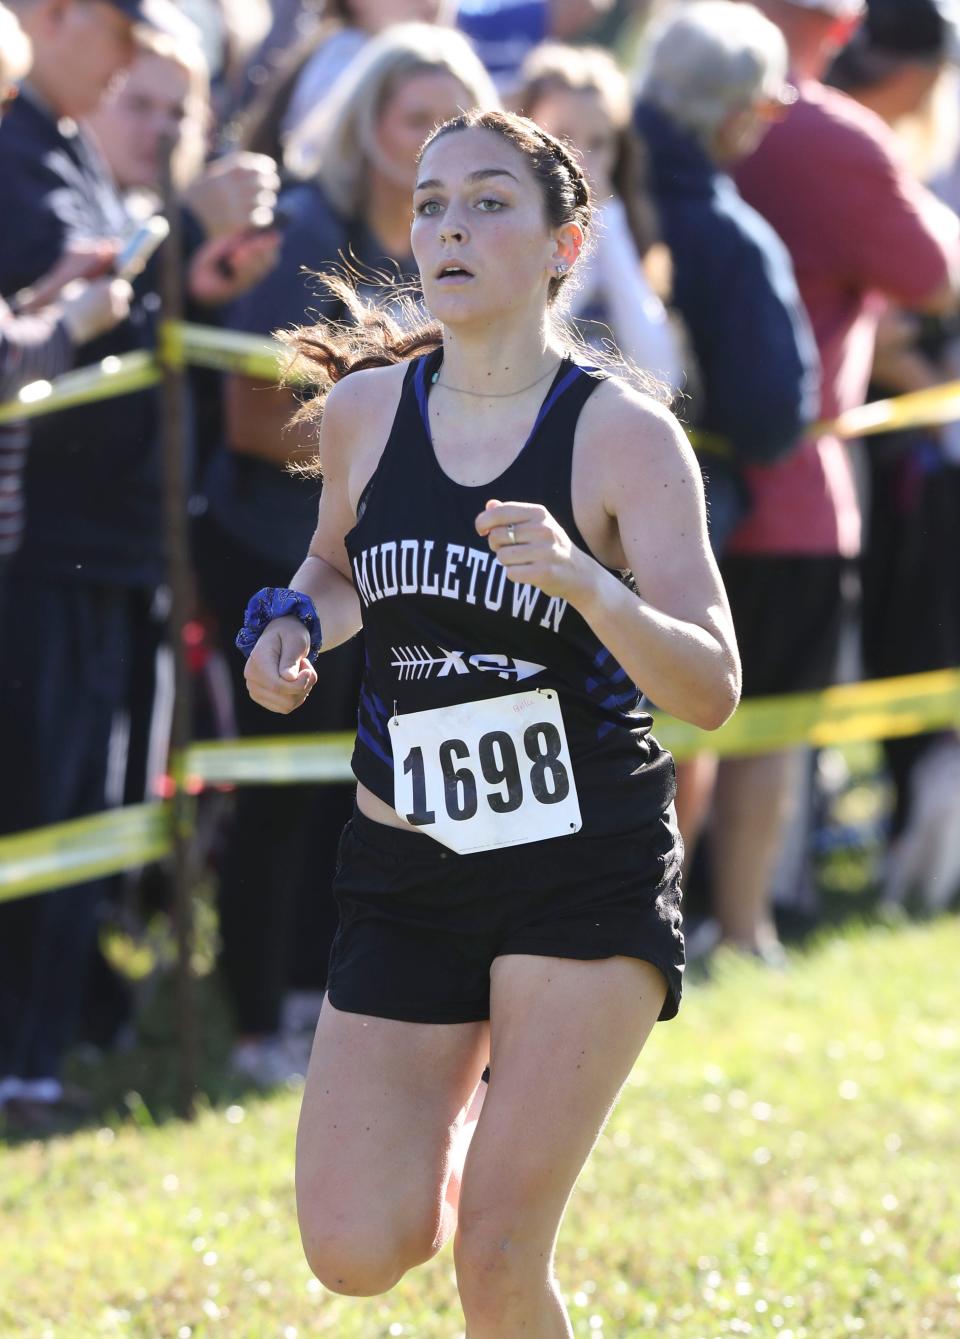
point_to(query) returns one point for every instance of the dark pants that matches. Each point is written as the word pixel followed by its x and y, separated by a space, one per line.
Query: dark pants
pixel 911 581
pixel 277 913
pixel 64 663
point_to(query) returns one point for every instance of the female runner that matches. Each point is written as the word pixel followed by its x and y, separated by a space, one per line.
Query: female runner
pixel 508 886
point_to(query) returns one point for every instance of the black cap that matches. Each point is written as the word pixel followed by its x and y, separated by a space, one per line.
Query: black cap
pixel 137 10
pixel 917 28
pixel 162 15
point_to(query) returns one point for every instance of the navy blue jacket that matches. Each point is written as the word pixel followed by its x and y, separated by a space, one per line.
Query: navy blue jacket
pixel 734 286
pixel 93 474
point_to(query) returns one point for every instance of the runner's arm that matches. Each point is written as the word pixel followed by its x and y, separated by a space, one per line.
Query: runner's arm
pixel 675 639
pixel 325 573
pixel 278 673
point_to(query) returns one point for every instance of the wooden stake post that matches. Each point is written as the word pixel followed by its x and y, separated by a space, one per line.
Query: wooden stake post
pixel 174 440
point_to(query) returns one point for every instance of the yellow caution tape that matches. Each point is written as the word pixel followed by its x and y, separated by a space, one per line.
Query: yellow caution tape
pixel 708 443
pixel 178 343
pixel 232 351
pixel 844 714
pixel 171 352
pixel 916 409
pixel 111 376
pixel 271 761
pixel 932 407
pixel 68 853
pixel 85 848
pixel 262 358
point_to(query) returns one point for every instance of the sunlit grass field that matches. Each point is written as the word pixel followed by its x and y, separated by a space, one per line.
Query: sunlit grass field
pixel 785 1161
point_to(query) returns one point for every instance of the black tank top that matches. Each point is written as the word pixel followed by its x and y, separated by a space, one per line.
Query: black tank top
pixel 443 625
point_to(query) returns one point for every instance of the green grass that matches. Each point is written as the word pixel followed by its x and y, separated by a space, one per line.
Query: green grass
pixel 785 1161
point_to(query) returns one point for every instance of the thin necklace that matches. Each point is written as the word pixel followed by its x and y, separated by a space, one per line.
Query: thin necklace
pixel 491 395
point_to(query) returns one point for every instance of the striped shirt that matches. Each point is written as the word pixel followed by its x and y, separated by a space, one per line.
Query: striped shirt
pixel 32 348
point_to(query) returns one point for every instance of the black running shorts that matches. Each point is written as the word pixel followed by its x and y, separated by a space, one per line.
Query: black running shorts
pixel 420 926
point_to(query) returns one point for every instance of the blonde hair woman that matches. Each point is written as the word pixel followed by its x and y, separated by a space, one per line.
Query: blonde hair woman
pixel 580 95
pixel 342 139
pixel 353 200
pixel 292 79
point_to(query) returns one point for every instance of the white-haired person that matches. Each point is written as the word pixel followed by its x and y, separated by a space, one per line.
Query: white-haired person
pixel 356 166
pixel 901 63
pixel 712 79
pixel 580 95
pixel 523 541
pixel 860 230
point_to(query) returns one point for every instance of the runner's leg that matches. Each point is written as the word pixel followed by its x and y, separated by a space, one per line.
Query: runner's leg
pixel 382 1108
pixel 564 1037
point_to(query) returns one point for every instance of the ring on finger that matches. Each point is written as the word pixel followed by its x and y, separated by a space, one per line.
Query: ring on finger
pixel 511 534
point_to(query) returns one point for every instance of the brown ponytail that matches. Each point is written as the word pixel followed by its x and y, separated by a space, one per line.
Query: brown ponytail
pixel 369 336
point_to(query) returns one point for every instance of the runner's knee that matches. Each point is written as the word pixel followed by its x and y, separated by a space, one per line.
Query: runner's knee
pixel 364 1260
pixel 497 1257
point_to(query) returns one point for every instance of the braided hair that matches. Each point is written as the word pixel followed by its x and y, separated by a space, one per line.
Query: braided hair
pixel 563 185
pixel 372 336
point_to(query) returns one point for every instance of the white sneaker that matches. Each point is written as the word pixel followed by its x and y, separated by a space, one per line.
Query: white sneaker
pixel 272 1062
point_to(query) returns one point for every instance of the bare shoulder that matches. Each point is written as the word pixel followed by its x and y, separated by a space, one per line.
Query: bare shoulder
pixel 357 417
pixel 356 405
pixel 632 440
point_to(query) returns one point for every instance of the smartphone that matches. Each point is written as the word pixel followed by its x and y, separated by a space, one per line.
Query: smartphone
pixel 269 220
pixel 278 220
pixel 140 246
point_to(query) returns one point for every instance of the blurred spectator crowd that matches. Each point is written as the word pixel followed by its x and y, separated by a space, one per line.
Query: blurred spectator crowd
pixel 776 187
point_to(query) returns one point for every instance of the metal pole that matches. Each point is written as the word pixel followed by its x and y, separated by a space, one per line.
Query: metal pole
pixel 174 440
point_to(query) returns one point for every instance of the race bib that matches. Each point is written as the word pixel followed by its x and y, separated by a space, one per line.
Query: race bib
pixel 486 774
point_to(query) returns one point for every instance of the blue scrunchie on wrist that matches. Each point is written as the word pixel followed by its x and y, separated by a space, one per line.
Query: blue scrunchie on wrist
pixel 277 602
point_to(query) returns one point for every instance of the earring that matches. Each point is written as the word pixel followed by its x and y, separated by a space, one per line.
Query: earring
pixel 562 267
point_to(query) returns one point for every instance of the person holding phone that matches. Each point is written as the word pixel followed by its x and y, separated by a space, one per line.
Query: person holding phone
pixel 91 548
pixel 163 106
pixel 523 541
pixel 40 328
